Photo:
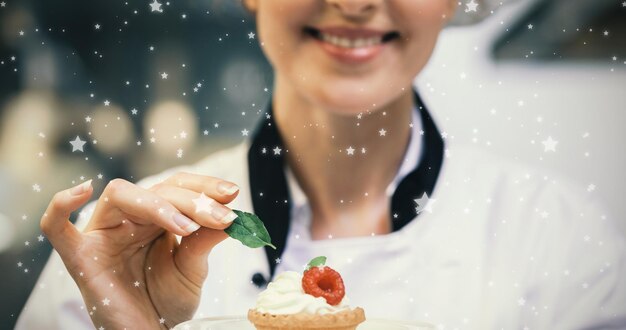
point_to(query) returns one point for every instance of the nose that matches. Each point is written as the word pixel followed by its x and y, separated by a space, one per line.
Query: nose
pixel 354 7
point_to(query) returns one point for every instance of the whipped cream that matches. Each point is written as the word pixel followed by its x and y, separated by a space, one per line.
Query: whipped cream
pixel 285 295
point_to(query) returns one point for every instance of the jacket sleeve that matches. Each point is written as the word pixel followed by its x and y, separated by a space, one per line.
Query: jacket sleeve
pixel 587 286
pixel 596 298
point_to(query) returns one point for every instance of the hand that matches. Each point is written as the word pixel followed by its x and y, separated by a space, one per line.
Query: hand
pixel 127 263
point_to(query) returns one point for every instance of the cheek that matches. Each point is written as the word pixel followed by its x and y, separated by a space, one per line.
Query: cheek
pixel 423 20
pixel 279 25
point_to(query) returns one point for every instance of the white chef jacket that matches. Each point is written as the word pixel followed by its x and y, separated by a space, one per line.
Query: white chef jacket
pixel 500 246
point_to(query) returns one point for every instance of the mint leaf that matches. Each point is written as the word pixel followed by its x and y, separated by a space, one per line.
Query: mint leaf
pixel 249 230
pixel 316 262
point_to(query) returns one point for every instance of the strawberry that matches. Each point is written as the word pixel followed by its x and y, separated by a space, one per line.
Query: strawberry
pixel 323 281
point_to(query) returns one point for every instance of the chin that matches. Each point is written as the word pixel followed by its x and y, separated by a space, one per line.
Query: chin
pixel 349 101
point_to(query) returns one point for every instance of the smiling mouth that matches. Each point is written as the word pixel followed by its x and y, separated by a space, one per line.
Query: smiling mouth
pixel 351 42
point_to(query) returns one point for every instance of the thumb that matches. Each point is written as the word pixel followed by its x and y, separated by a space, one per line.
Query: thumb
pixel 193 252
pixel 55 222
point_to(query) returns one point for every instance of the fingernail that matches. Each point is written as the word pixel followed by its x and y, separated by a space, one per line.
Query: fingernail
pixel 185 223
pixel 227 188
pixel 81 188
pixel 224 215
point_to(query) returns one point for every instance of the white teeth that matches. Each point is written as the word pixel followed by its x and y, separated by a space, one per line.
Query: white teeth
pixel 350 43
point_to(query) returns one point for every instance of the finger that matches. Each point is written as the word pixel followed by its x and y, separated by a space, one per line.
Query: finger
pixel 218 189
pixel 202 209
pixel 55 223
pixel 122 199
pixel 192 253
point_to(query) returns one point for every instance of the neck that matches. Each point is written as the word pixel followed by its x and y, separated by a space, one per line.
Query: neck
pixel 344 163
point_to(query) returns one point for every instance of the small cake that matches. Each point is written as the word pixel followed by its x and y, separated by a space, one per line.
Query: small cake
pixel 313 300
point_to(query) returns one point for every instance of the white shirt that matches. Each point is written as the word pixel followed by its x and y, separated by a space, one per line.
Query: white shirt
pixel 503 248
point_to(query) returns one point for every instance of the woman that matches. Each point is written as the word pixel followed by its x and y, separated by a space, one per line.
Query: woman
pixel 347 163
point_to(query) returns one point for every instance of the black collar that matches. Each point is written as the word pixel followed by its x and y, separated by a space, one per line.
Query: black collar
pixel 270 193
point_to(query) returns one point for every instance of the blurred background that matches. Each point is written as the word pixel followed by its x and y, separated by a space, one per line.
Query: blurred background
pixel 149 89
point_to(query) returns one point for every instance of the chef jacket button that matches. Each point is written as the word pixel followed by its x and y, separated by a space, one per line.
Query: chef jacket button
pixel 259 280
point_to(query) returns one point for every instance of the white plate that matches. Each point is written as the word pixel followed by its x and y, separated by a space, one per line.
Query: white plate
pixel 242 323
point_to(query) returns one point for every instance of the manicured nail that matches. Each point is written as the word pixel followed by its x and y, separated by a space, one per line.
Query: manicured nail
pixel 81 188
pixel 227 188
pixel 230 217
pixel 224 215
pixel 185 223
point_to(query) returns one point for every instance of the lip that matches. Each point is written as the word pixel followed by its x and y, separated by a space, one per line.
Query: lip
pixel 357 55
pixel 352 33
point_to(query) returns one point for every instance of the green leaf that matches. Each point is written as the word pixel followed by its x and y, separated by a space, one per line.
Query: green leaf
pixel 316 262
pixel 249 230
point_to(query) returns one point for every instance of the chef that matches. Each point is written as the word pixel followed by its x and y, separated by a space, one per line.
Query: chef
pixel 347 162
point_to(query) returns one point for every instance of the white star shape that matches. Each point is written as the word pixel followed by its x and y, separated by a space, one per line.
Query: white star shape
pixel 156 6
pixel 424 204
pixel 136 284
pixel 164 75
pixel 40 238
pixel 97 26
pixel 77 144
pixel 203 204
pixel 88 119
pixel 244 132
pixel 3 4
pixel 106 301
pixel 382 132
pixel 549 144
pixel 277 151
pixel 133 111
pixel 530 26
pixel 106 103
pixel 350 150
pixel 471 6
pixel 251 35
